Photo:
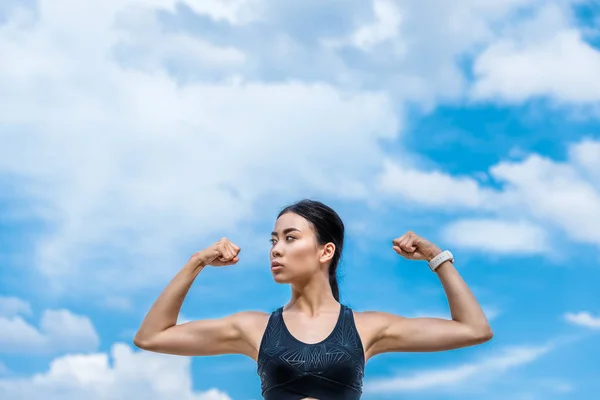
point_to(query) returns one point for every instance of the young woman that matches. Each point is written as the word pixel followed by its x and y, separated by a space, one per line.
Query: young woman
pixel 313 347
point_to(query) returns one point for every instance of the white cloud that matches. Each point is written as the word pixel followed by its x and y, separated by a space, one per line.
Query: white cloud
pixel 384 28
pixel 235 12
pixel 143 44
pixel 431 188
pixel 60 330
pixel 537 196
pixel 155 164
pixel 556 193
pixel 509 69
pixel 584 319
pixel 449 377
pixel 585 155
pixel 497 236
pixel 418 49
pixel 386 25
pixel 18 335
pixel 131 375
pixel 152 164
pixel 11 306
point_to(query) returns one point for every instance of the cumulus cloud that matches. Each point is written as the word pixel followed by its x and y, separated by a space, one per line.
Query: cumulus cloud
pixel 129 164
pixel 583 318
pixel 149 139
pixel 235 12
pixel 414 51
pixel 11 306
pixel 124 374
pixel 556 193
pixel 397 46
pixel 452 377
pixel 59 331
pixel 497 236
pixel 431 188
pixel 385 27
pixel 536 196
pixel 585 156
pixel 152 50
pixel 509 68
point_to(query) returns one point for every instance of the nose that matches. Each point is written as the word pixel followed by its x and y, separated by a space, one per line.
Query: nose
pixel 275 252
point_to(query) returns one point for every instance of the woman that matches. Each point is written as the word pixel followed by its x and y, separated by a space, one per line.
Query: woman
pixel 314 347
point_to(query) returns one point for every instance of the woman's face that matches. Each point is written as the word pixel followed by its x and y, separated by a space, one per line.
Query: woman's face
pixel 295 253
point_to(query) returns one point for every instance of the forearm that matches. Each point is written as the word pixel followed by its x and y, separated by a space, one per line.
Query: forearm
pixel 165 310
pixel 464 308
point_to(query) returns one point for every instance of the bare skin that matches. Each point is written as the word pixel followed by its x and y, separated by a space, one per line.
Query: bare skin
pixel 312 311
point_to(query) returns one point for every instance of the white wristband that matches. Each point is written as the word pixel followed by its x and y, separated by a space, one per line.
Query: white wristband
pixel 440 259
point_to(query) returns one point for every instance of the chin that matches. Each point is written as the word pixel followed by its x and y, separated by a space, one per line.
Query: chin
pixel 280 278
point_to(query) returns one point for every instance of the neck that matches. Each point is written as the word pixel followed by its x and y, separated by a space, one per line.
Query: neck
pixel 313 297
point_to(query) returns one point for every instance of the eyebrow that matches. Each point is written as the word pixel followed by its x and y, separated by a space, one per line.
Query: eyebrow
pixel 285 231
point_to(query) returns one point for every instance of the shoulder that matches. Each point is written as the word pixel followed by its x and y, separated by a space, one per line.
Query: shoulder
pixel 373 326
pixel 244 319
pixel 251 326
pixel 250 323
pixel 374 321
pixel 374 316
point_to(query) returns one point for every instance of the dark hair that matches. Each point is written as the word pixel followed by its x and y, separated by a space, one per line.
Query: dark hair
pixel 328 227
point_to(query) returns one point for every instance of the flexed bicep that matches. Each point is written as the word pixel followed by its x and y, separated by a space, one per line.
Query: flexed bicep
pixel 203 337
pixel 400 334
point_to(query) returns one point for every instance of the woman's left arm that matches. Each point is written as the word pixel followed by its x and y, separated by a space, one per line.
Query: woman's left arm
pixel 468 325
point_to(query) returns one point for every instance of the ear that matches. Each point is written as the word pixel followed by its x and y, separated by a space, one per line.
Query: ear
pixel 327 252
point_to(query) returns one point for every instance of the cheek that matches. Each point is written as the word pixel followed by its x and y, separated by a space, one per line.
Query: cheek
pixel 303 252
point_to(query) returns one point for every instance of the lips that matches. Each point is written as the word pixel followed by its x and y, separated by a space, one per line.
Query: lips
pixel 276 264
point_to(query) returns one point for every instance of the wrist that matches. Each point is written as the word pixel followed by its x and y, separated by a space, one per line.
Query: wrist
pixel 191 270
pixel 433 254
pixel 197 262
pixel 442 258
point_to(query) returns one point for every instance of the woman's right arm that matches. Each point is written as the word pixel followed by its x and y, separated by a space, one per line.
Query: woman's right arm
pixel 160 333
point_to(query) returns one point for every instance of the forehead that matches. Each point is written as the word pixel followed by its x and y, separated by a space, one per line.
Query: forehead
pixel 291 220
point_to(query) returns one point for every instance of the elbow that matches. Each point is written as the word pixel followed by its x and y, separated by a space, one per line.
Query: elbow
pixel 139 342
pixel 142 343
pixel 483 335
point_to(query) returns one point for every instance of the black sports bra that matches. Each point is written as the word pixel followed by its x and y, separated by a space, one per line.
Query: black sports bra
pixel 331 369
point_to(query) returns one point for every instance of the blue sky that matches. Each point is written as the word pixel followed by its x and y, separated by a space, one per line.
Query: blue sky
pixel 136 133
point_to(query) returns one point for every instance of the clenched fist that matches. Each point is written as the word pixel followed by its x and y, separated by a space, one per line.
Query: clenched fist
pixel 220 254
pixel 413 247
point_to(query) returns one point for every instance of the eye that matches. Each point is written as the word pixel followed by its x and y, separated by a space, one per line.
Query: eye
pixel 289 237
pixel 272 241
